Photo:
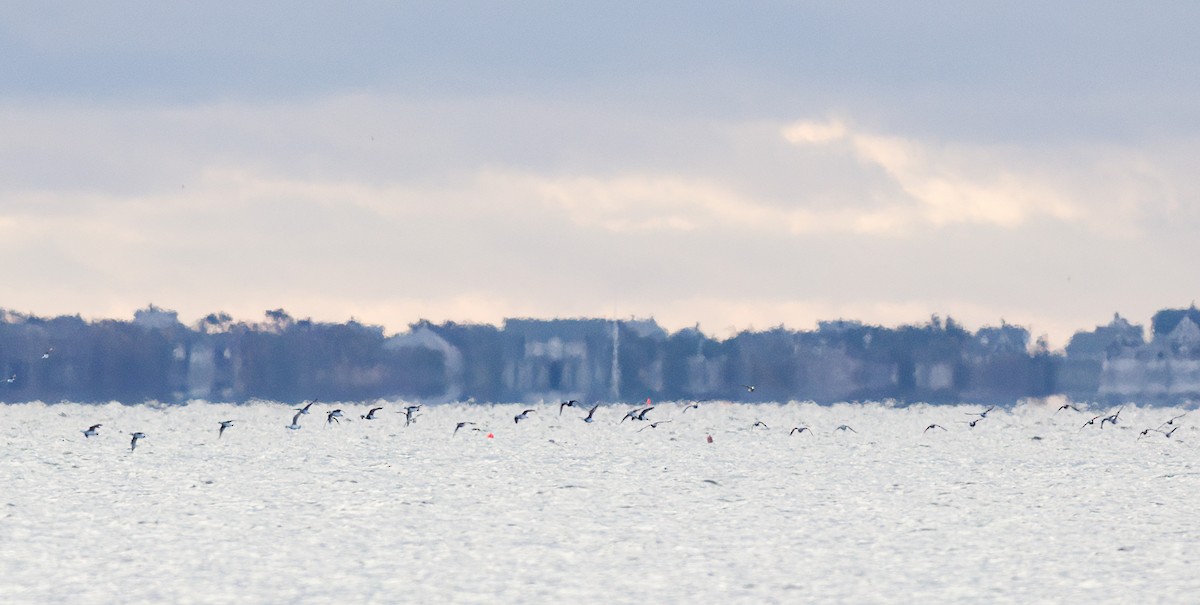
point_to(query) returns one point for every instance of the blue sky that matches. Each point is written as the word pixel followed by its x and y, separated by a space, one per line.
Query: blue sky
pixel 735 166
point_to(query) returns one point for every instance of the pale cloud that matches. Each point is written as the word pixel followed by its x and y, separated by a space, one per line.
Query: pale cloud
pixel 815 132
pixel 838 177
pixel 638 202
pixel 944 185
pixel 646 202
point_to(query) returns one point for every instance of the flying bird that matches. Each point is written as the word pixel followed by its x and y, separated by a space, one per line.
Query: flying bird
pixel 304 410
pixel 652 425
pixel 566 404
pixel 333 416
pixel 133 442
pixel 370 415
pixel 461 425
pixel 91 430
pixel 224 425
pixel 46 355
pixel 591 412
pixel 845 427
pixel 1164 433
pixel 1113 418
pixel 758 423
pixel 798 429
pixel 631 414
pixel 1066 406
pixel 695 405
pixel 982 414
pixel 410 414
pixel 749 388
pixel 933 426
pixel 295 425
pixel 11 379
pixel 522 416
pixel 642 414
pixel 1090 422
pixel 1172 421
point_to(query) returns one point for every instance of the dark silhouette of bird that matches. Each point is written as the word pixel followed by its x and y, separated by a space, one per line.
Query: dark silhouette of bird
pixel 975 422
pixel 758 423
pixel 522 416
pixel 1066 406
pixel 133 442
pixel 461 425
pixel 370 415
pixel 933 426
pixel 982 414
pixel 1172 421
pixel 567 404
pixel 333 416
pixel 410 414
pixel 642 414
pixel 591 413
pixel 224 425
pixel 295 425
pixel 695 405
pixel 1112 419
pixel 845 427
pixel 798 429
pixel 652 425
pixel 1166 434
pixel 304 408
pixel 1090 422
pixel 91 430
pixel 635 414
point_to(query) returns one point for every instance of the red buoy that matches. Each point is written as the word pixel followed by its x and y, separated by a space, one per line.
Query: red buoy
pixel 710 438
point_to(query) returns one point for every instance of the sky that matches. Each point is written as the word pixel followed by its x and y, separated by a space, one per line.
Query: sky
pixel 729 165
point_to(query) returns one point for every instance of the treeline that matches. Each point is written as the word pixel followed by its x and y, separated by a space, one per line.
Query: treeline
pixel 156 357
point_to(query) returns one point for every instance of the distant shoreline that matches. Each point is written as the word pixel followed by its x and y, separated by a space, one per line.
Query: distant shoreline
pixel 155 357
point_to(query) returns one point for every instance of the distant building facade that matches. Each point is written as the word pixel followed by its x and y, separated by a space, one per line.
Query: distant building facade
pixel 155 357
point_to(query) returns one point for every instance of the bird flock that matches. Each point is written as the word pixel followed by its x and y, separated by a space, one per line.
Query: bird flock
pixel 642 415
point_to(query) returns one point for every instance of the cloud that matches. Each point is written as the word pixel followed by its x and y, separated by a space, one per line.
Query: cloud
pixel 665 203
pixel 815 132
pixel 607 170
pixel 944 185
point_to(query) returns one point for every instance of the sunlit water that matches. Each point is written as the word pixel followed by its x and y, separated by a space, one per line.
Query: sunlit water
pixel 1026 507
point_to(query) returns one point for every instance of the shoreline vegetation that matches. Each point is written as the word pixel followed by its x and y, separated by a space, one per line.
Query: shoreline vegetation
pixel 155 357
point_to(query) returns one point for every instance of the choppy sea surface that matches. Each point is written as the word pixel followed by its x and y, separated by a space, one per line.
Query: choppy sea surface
pixel 1028 506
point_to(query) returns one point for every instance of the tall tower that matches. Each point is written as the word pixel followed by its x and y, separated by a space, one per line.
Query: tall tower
pixel 615 379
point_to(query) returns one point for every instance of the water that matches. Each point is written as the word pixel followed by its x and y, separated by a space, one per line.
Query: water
pixel 554 510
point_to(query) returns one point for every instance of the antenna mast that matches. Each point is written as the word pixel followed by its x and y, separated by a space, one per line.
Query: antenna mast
pixel 615 379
